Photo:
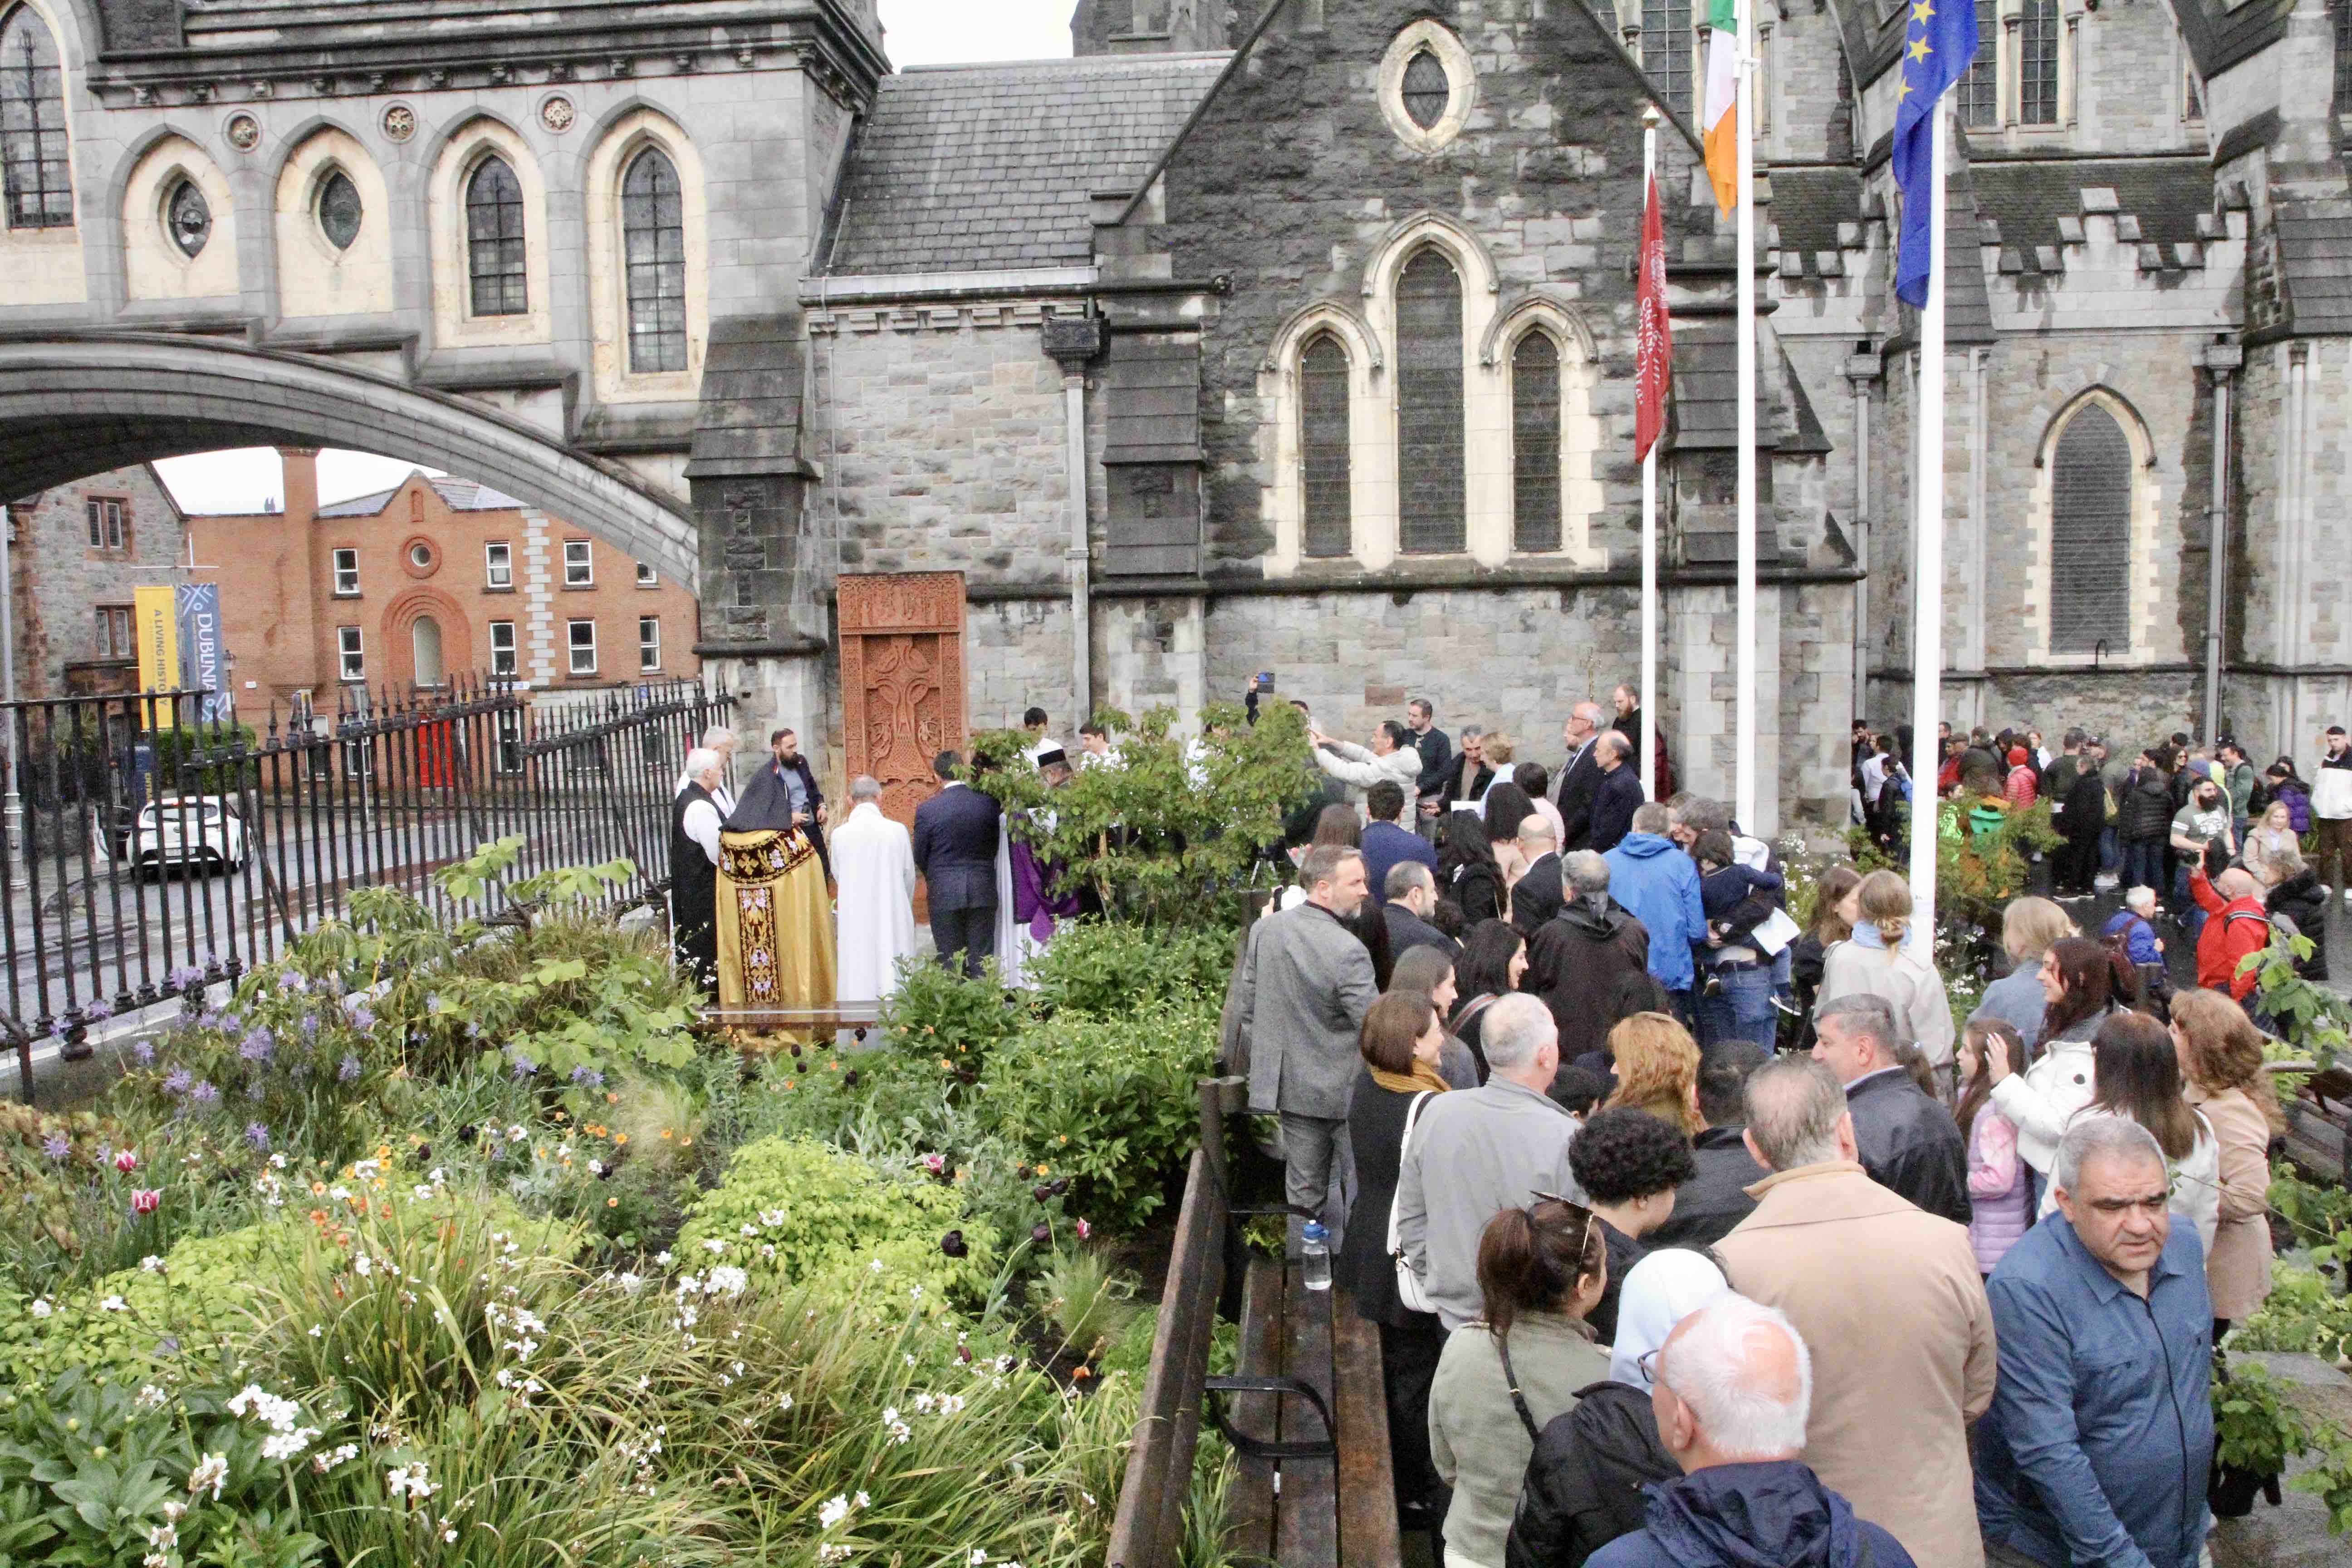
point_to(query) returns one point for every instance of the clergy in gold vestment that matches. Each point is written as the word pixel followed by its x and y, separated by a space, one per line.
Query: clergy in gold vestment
pixel 775 921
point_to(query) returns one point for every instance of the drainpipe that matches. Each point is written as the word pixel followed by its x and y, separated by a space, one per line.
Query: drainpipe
pixel 1862 369
pixel 2222 359
pixel 1072 341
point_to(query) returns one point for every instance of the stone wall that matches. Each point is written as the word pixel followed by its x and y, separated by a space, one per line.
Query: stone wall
pixel 58 582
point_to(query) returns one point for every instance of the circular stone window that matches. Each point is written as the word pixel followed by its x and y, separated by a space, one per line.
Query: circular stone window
pixel 421 557
pixel 1427 86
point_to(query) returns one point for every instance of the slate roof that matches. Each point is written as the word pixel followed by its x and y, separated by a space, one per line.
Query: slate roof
pixel 748 420
pixel 987 167
pixel 1706 393
pixel 2314 258
pixel 1808 204
pixel 459 495
pixel 2027 197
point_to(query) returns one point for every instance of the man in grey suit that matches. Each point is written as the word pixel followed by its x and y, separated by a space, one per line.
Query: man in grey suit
pixel 1306 985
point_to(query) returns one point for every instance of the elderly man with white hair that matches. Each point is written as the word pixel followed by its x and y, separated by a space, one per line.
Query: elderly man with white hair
pixel 695 819
pixel 1732 1389
pixel 1479 1151
pixel 721 742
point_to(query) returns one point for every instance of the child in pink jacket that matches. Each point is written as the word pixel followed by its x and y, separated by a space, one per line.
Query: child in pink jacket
pixel 2000 1184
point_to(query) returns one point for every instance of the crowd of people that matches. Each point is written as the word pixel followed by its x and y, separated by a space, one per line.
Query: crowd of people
pixel 1659 1281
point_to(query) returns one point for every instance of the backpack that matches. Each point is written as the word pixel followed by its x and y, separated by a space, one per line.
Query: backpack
pixel 1585 1480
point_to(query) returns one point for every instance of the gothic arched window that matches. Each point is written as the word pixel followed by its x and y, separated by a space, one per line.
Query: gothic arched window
pixel 2037 64
pixel 38 180
pixel 1429 506
pixel 653 232
pixel 494 240
pixel 1323 458
pixel 2089 534
pixel 1535 444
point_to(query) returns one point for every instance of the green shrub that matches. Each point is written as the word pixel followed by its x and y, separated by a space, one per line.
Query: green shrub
pixel 802 1211
pixel 1109 967
pixel 938 1013
pixel 201 1289
pixel 1110 1102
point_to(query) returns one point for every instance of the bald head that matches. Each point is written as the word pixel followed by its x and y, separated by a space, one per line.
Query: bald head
pixel 2237 882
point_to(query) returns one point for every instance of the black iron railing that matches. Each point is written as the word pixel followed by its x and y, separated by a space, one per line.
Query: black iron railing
pixel 158 853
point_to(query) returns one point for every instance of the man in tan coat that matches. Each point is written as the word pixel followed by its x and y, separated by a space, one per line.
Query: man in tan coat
pixel 1890 1296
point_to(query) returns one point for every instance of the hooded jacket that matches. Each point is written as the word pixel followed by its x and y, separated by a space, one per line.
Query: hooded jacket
pixel 1773 1514
pixel 2234 930
pixel 2301 900
pixel 1653 879
pixel 1582 1488
pixel 1576 961
pixel 2147 805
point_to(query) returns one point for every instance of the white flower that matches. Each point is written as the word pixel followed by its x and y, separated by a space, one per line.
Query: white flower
pixel 163 1537
pixel 173 1508
pixel 725 1280
pixel 364 1265
pixel 783 1402
pixel 449 1534
pixel 212 1472
pixel 714 1246
pixel 767 1249
pixel 287 1445
pixel 978 1557
pixel 41 1308
pixel 151 1398
pixel 409 1480
pixel 114 1304
pixel 747 1228
pixel 517 1133
pixel 876 1265
pixel 923 1402
pixel 834 1511
pixel 254 1400
pixel 318 1330
pixel 154 1559
pixel 277 1162
pixel 832 1551
pixel 323 1462
pixel 771 1216
pixel 863 1500
pixel 150 1264
pixel 661 1258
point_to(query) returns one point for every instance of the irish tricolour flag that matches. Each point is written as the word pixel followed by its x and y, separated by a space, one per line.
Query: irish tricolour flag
pixel 1719 123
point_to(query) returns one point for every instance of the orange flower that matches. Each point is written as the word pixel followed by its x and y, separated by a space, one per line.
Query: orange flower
pixel 612 1203
pixel 620 1138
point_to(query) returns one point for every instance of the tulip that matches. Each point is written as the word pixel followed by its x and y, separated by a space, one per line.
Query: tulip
pixel 126 1161
pixel 952 1244
pixel 145 1201
pixel 1041 1234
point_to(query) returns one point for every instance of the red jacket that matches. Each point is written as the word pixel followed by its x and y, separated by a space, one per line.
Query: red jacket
pixel 2233 928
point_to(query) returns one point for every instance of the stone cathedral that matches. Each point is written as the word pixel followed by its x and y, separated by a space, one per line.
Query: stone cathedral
pixel 1294 338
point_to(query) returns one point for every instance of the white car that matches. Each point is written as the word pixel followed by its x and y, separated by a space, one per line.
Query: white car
pixel 198 831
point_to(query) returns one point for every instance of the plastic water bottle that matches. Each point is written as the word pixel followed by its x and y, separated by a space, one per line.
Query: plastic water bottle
pixel 1314 1256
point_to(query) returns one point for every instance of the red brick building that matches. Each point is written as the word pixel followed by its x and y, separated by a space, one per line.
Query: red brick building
pixel 433 578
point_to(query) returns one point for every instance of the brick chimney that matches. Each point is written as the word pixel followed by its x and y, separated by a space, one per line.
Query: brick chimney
pixel 301 481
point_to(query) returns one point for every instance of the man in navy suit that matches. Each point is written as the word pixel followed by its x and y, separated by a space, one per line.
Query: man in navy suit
pixel 955 849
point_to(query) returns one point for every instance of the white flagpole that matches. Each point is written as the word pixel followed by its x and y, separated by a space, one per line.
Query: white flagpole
pixel 1927 569
pixel 1743 793
pixel 1649 738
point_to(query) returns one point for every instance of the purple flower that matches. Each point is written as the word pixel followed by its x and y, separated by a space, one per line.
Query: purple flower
pixel 588 1075
pixel 363 1020
pixel 98 1008
pixel 231 1021
pixel 258 1136
pixel 208 1019
pixel 296 981
pixel 524 1068
pixel 204 1093
pixel 433 1003
pixel 58 1029
pixel 310 1028
pixel 258 1045
pixel 186 977
pixel 176 1082
pixel 57 1146
pixel 350 1071
pixel 144 1051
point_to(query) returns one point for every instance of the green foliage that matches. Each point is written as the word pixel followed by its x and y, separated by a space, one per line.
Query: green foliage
pixel 1109 968
pixel 1983 858
pixel 2254 1429
pixel 936 1012
pixel 1111 1102
pixel 1091 1306
pixel 2310 1017
pixel 2303 1313
pixel 1190 815
pixel 197 1290
pixel 800 1211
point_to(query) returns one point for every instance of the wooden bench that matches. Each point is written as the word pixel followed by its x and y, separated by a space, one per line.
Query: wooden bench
pixel 855 1018
pixel 1306 1408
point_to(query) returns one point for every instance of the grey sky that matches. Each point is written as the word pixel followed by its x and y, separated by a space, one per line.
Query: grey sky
pixel 917 32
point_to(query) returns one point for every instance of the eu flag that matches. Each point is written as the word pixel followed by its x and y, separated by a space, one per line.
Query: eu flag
pixel 1937 45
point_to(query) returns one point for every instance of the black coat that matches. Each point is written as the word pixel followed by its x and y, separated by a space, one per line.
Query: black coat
pixel 1576 961
pixel 2146 809
pixel 1453 788
pixel 1578 782
pixel 1716 1198
pixel 1478 889
pixel 1613 804
pixel 2299 899
pixel 1583 1488
pixel 1910 1144
pixel 1363 1268
pixel 1409 929
pixel 955 847
pixel 1625 1251
pixel 693 893
pixel 1537 896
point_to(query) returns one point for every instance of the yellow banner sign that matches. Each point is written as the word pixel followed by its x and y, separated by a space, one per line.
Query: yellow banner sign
pixel 157 621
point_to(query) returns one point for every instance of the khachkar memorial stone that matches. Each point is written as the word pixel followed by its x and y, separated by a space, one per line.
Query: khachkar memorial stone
pixel 902 680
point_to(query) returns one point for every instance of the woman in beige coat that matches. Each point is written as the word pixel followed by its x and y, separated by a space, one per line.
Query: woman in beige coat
pixel 2221 1066
pixel 1873 961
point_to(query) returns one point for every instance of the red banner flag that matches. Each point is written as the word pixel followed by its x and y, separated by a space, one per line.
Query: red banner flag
pixel 1654 339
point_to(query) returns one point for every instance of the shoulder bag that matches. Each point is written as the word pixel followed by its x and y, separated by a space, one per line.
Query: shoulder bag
pixel 1411 1292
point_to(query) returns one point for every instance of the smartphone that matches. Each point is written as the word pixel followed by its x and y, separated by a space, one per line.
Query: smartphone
pixel 1265 681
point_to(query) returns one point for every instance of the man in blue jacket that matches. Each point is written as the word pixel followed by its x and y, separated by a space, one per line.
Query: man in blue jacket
pixel 1731 1389
pixel 1659 885
pixel 2100 1436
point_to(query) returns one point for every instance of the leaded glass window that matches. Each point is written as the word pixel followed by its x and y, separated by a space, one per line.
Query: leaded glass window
pixel 1980 87
pixel 1323 455
pixel 2037 64
pixel 1426 90
pixel 494 240
pixel 1535 445
pixel 2090 535
pixel 2342 11
pixel 653 229
pixel 189 217
pixel 339 210
pixel 37 178
pixel 1429 511
pixel 1666 45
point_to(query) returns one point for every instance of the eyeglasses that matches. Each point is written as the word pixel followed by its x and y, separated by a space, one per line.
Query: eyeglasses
pixel 1646 1364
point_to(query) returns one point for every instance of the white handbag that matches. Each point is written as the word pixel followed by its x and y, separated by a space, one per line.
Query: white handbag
pixel 1410 1289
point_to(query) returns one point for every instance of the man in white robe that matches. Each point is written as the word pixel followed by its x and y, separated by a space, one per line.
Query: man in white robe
pixel 874 874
